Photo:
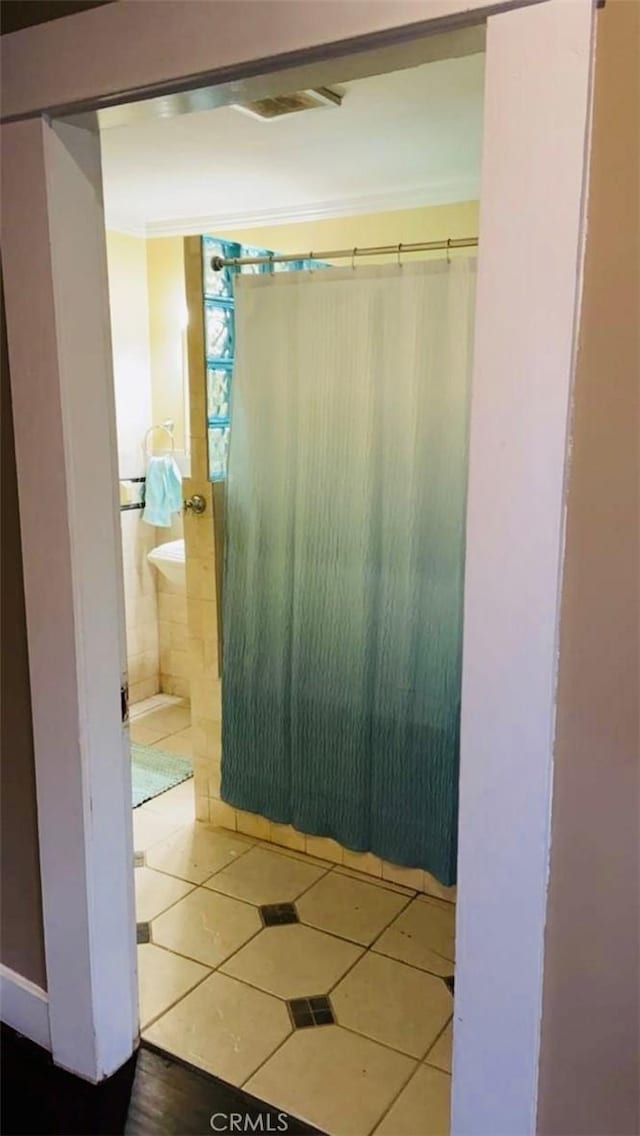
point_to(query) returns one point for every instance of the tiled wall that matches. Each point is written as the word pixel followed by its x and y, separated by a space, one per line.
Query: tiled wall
pixel 251 824
pixel 141 606
pixel 173 635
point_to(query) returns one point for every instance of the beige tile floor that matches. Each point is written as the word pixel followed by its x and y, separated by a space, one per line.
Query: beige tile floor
pixel 214 981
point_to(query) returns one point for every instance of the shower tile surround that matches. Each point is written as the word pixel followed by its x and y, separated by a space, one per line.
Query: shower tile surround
pixel 141 606
pixel 158 656
pixel 241 997
pixel 173 632
pixel 203 630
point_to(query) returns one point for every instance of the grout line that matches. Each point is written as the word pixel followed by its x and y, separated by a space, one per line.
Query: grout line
pixel 383 1044
pixel 201 883
pixel 387 1110
pixel 173 1004
pixel 192 888
pixel 295 854
pixel 415 1070
pixel 251 985
pixel 411 965
pixel 227 958
pixel 213 967
pixel 268 1058
pixel 356 942
pixel 154 844
pixel 437 898
pixel 435 1042
pixel 308 888
pixel 363 949
pixel 417 1062
pixel 375 881
pixel 279 998
pixel 409 900
pixel 215 970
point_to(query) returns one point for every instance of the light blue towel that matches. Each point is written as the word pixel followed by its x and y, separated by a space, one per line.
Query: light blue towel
pixel 163 491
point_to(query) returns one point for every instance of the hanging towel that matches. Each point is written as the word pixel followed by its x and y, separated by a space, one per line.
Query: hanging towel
pixel 163 491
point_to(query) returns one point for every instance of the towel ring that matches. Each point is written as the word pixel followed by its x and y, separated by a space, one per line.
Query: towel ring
pixel 150 432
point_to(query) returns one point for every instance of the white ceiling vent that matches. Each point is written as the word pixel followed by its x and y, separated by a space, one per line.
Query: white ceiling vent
pixel 279 105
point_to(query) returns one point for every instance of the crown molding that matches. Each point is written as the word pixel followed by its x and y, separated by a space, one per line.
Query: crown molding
pixel 439 193
pixel 115 224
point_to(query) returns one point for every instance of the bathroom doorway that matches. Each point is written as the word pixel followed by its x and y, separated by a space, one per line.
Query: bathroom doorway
pixel 277 920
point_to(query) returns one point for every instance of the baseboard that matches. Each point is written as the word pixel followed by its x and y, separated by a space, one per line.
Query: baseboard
pixel 24 1006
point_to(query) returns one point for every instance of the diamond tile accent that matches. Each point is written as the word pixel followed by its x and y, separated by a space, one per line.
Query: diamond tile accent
pixel 275 914
pixel 315 1011
pixel 143 933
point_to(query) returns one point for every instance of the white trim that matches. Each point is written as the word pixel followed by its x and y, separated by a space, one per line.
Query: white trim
pixel 24 1006
pixel 53 243
pixel 537 117
pixel 444 192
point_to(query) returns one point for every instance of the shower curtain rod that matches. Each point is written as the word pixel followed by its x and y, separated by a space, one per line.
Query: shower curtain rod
pixel 220 262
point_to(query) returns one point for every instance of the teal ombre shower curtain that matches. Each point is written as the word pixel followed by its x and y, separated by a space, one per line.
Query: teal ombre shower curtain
pixel 345 555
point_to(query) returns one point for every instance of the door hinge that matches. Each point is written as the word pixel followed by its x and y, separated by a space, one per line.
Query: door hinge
pixel 124 702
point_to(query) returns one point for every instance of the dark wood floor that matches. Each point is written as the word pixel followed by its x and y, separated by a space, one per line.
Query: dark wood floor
pixel 153 1095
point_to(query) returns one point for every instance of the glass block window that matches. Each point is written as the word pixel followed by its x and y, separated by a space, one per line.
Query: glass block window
pixel 218 449
pixel 219 303
pixel 218 330
pixel 218 394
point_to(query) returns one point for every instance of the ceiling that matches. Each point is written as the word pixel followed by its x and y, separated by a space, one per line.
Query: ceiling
pixel 399 140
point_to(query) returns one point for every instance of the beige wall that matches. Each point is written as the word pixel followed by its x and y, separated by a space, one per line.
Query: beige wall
pixel 167 325
pixel 390 228
pixel 590 1062
pixel 21 927
pixel 129 310
pixel 130 324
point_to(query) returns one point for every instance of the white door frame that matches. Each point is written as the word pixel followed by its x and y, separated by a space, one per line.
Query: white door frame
pixel 535 153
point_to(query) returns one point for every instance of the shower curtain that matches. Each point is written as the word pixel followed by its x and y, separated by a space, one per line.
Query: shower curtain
pixel 345 555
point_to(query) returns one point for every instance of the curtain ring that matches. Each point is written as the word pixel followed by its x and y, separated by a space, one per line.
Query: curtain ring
pixel 448 250
pixel 399 252
pixel 353 257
